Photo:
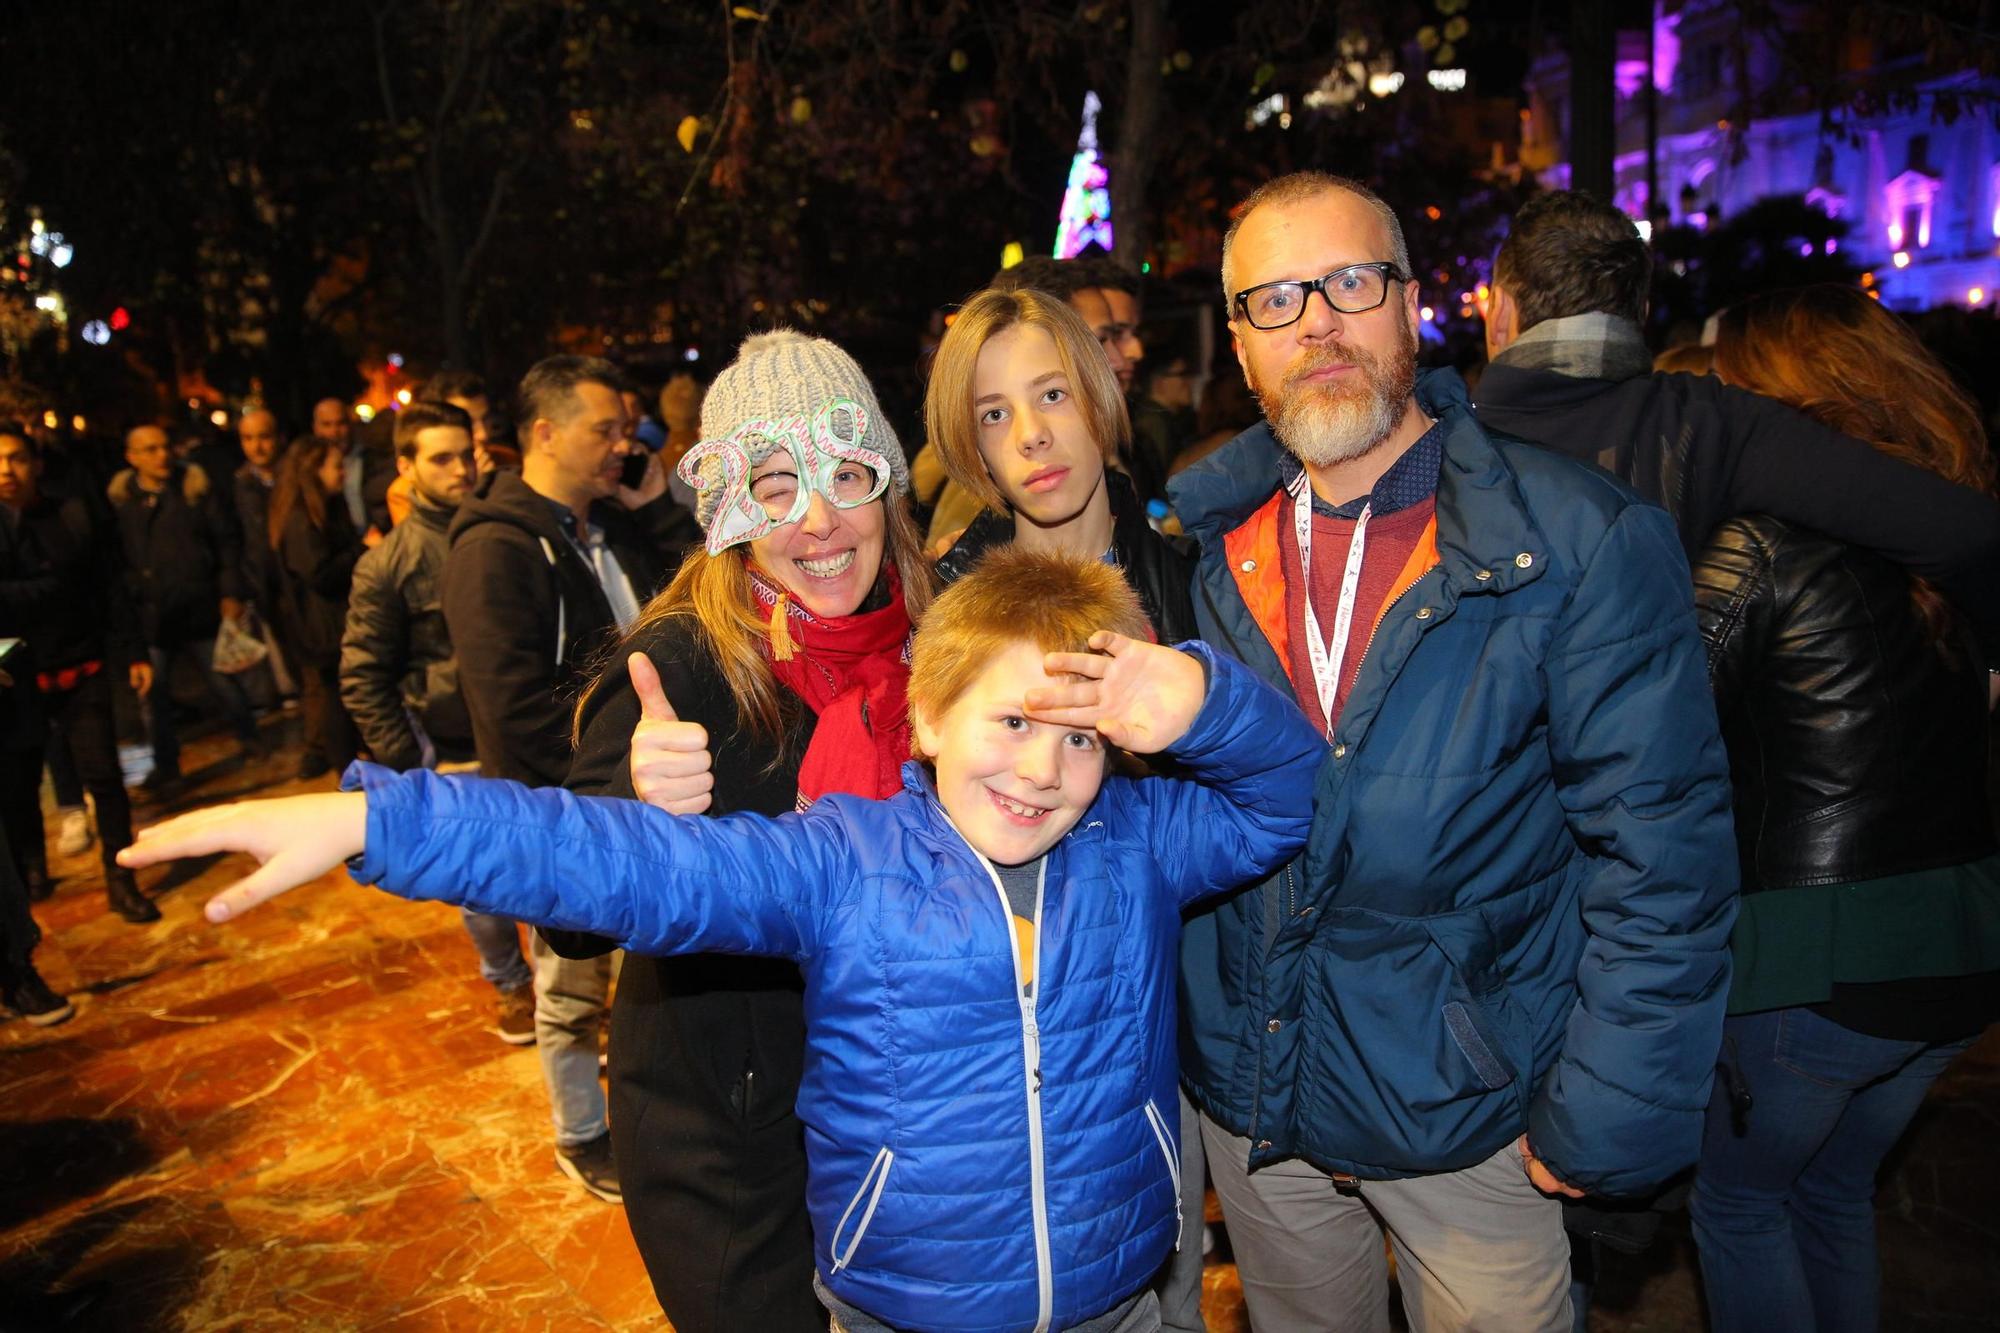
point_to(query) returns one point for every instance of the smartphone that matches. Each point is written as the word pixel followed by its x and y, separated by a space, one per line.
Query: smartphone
pixel 635 469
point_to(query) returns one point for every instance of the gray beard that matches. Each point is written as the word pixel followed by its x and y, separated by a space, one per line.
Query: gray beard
pixel 1321 430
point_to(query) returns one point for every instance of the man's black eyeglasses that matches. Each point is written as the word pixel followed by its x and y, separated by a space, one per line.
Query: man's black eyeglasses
pixel 1354 290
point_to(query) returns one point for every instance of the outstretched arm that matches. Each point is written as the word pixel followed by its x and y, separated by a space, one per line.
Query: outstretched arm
pixel 650 881
pixel 295 839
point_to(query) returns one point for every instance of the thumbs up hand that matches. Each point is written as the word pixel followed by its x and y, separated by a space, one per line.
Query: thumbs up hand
pixel 670 760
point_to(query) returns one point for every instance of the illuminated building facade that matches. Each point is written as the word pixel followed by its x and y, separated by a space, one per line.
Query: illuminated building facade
pixel 1920 197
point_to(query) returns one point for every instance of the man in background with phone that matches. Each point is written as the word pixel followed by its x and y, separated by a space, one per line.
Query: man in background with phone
pixel 546 568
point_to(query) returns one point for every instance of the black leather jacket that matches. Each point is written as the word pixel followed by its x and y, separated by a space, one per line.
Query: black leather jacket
pixel 395 657
pixel 1159 568
pixel 1856 748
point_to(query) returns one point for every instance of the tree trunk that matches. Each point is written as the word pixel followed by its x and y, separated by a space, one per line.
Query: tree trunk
pixel 1592 45
pixel 1133 159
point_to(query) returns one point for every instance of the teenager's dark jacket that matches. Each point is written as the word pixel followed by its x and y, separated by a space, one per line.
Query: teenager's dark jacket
pixel 312 569
pixel 61 588
pixel 1157 567
pixel 707 1050
pixel 529 621
pixel 182 554
pixel 395 657
pixel 1708 451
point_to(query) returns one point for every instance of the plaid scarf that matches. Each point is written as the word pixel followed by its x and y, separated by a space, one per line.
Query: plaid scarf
pixel 1591 347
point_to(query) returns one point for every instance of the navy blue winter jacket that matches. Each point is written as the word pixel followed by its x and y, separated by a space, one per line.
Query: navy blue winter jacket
pixel 1514 910
pixel 978 1160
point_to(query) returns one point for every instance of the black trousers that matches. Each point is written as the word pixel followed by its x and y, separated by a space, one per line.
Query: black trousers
pixel 18 932
pixel 83 716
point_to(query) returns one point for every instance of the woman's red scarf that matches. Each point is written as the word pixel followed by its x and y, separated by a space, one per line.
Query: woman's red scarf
pixel 854 673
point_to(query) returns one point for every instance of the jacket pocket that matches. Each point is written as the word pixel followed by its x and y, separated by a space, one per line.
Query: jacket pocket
pixel 872 1185
pixel 1477 1012
pixel 1171 1151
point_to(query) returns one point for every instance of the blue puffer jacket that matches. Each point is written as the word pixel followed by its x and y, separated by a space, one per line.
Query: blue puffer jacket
pixel 978 1161
pixel 1514 910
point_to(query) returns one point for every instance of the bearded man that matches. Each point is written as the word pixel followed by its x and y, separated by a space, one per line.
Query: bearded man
pixel 1496 974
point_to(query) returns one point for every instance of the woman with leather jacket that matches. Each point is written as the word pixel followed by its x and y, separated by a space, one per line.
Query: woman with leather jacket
pixel 1867 952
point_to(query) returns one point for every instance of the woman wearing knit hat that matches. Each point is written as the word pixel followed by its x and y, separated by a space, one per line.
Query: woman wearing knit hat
pixel 783 648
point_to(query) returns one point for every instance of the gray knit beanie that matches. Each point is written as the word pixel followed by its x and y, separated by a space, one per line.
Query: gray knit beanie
pixel 785 373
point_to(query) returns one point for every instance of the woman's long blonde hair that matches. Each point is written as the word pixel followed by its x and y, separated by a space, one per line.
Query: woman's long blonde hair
pixel 712 594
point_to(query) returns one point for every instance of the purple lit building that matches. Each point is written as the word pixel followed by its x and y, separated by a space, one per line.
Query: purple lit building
pixel 1921 198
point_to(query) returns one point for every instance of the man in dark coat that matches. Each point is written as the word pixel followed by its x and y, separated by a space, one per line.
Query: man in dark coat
pixel 60 591
pixel 546 568
pixel 398 675
pixel 186 574
pixel 1496 974
pixel 1570 371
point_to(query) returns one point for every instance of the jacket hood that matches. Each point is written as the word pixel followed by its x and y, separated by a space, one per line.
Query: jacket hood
pixel 190 477
pixel 504 498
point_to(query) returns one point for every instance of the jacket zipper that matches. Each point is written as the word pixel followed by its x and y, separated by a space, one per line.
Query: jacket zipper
pixel 1031 1064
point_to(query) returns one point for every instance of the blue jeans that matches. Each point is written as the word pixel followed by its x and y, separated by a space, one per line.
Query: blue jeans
pixel 498 940
pixel 1784 1211
pixel 570 995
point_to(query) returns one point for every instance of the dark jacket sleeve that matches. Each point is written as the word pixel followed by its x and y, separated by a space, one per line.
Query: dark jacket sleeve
pixel 1733 603
pixel 27 591
pixel 317 559
pixel 373 653
pixel 1793 468
pixel 1649 804
pixel 226 541
pixel 500 610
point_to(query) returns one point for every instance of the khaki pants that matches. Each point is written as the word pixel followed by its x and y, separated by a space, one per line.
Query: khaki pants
pixel 1477 1251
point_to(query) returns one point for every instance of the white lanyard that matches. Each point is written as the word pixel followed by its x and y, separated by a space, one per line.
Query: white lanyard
pixel 1326 663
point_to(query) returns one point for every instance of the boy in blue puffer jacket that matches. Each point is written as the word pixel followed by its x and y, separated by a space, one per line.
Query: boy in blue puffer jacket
pixel 989 1095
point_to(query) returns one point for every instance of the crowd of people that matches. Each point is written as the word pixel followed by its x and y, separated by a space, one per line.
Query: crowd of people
pixel 983 849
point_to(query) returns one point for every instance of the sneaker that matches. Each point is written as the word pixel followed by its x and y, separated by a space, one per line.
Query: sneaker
pixel 31 998
pixel 514 1017
pixel 590 1165
pixel 75 837
pixel 121 890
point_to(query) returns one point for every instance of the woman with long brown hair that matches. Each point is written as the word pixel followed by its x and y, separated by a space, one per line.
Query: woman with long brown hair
pixel 782 650
pixel 316 548
pixel 1867 951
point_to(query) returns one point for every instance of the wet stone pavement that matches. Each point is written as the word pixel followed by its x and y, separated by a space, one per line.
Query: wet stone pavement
pixel 304 1121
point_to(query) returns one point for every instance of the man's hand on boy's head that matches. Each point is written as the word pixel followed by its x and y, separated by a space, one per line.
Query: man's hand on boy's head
pixel 295 839
pixel 1139 696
